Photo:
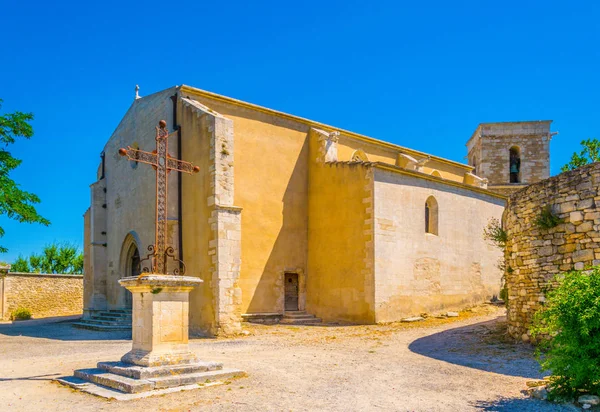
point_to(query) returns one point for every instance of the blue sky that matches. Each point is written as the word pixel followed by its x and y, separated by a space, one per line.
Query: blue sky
pixel 419 74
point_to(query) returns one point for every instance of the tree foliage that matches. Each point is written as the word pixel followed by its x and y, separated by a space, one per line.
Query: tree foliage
pixel 15 203
pixel 495 234
pixel 55 258
pixel 589 153
pixel 570 325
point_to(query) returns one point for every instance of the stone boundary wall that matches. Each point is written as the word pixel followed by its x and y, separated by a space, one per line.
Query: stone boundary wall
pixel 45 295
pixel 534 256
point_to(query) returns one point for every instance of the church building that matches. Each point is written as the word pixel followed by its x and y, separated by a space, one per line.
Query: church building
pixel 288 215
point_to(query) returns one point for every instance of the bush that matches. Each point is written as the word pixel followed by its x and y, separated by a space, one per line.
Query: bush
pixel 569 325
pixel 495 234
pixel 547 219
pixel 20 314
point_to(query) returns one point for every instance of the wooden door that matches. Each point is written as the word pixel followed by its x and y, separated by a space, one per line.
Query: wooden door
pixel 291 291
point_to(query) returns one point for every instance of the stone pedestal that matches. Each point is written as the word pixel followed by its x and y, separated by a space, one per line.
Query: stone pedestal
pixel 160 360
pixel 160 319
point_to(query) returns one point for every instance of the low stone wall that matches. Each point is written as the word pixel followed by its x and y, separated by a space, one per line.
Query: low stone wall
pixel 45 295
pixel 534 255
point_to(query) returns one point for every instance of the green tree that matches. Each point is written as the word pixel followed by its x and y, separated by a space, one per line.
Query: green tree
pixel 15 203
pixel 569 325
pixel 55 258
pixel 20 265
pixel 590 153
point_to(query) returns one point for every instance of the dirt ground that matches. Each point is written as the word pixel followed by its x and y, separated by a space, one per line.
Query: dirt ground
pixel 456 364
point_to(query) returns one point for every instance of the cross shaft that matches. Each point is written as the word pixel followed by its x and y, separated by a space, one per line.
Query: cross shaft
pixel 162 163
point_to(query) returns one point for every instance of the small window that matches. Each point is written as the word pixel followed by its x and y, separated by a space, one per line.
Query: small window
pixel 515 164
pixel 431 216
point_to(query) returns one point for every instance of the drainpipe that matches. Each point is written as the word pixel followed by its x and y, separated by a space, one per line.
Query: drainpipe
pixel 179 203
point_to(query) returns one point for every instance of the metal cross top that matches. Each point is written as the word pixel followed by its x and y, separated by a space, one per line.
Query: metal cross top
pixel 163 163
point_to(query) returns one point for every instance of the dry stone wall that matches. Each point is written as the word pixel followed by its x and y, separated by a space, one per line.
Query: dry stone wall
pixel 44 295
pixel 535 255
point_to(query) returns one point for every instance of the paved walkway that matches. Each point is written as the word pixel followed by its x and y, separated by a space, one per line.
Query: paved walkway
pixel 436 365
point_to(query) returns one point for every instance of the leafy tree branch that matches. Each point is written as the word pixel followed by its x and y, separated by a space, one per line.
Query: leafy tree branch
pixel 15 203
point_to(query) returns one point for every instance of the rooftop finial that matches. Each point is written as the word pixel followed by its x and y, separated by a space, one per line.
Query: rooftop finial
pixel 137 92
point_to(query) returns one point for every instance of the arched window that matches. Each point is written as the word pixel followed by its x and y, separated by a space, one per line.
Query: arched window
pixel 431 216
pixel 359 156
pixel 436 173
pixel 514 164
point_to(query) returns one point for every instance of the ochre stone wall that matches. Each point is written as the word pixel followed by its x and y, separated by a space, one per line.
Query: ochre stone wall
pixel 339 284
pixel 534 256
pixel 44 295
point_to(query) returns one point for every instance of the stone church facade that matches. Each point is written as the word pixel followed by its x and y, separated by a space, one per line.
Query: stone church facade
pixel 288 214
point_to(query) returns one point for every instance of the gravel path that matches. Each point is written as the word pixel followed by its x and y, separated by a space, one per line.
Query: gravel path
pixel 460 364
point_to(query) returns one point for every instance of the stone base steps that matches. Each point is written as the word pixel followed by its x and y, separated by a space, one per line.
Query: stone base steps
pixel 108 320
pixel 125 378
pixel 299 318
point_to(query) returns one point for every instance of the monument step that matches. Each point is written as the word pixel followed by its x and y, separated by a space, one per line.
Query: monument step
pixel 192 378
pixel 103 328
pixel 141 372
pixel 121 383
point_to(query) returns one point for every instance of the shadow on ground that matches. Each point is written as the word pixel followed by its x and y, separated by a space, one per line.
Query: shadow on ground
pixel 483 346
pixel 60 331
pixel 522 405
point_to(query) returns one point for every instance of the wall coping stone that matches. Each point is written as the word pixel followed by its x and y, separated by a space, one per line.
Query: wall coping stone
pixel 42 275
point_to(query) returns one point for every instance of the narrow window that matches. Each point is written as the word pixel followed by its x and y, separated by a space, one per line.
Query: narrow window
pixel 515 164
pixel 431 216
pixel 102 165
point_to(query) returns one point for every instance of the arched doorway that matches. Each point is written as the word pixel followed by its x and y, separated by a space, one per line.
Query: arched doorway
pixel 130 265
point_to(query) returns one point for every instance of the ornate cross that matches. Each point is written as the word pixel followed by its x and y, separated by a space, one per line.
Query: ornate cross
pixel 163 163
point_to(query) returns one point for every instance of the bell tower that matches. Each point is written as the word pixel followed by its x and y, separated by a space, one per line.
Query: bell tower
pixel 511 155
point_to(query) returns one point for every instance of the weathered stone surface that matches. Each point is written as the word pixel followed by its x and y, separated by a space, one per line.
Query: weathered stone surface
pixel 452 314
pixel 43 294
pixel 534 254
pixel 539 393
pixel 589 399
pixel 160 319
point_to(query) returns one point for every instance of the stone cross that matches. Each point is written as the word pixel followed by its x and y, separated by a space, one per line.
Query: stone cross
pixel 162 163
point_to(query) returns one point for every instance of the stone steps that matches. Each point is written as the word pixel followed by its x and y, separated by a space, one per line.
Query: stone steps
pixel 120 383
pixel 141 372
pixel 101 328
pixel 107 320
pixel 299 318
pixel 191 378
pixel 121 376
